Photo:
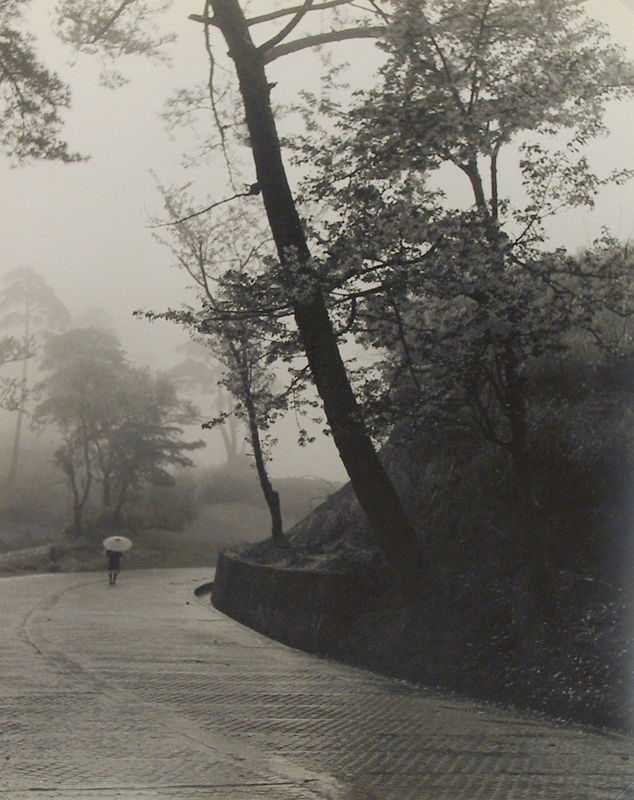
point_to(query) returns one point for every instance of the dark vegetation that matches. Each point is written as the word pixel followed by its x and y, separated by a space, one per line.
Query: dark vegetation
pixel 529 596
pixel 503 382
pixel 502 385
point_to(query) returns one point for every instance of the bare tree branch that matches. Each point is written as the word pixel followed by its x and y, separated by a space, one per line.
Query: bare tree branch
pixel 281 35
pixel 368 32
pixel 283 12
pixel 253 190
pixel 109 22
pixel 379 11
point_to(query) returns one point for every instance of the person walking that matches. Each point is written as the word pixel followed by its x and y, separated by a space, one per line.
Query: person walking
pixel 114 565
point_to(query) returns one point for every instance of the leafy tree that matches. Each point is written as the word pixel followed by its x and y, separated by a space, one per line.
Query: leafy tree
pixel 465 77
pixel 248 359
pixel 299 279
pixel 138 447
pixel 29 304
pixel 459 300
pixel 31 97
pixel 120 424
pixel 80 397
pixel 238 323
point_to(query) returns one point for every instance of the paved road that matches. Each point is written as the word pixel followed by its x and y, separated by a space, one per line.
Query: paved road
pixel 140 691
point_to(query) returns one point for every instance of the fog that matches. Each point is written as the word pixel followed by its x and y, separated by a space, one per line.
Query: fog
pixel 85 227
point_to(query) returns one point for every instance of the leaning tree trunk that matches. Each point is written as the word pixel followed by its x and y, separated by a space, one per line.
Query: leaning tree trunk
pixel 375 492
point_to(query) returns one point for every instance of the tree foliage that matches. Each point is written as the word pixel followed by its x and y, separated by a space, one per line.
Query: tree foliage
pixel 113 29
pixel 240 319
pixel 31 97
pixel 459 301
pixel 465 77
pixel 121 425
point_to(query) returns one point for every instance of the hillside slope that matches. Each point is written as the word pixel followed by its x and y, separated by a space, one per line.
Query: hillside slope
pixel 532 606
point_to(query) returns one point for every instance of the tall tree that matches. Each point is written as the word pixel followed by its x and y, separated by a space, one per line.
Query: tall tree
pixel 138 447
pixel 85 367
pixel 30 305
pixel 298 274
pixel 373 488
pixel 247 359
pixel 464 78
pixel 459 299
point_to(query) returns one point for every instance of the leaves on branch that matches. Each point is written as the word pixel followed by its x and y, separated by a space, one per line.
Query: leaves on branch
pixel 31 97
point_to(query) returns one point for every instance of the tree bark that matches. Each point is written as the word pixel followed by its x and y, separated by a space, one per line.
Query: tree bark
pixel 270 495
pixel 375 492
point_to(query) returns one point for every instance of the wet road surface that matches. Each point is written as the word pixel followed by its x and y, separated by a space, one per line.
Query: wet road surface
pixel 142 691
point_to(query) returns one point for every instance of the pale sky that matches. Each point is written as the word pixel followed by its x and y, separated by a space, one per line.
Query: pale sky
pixel 83 227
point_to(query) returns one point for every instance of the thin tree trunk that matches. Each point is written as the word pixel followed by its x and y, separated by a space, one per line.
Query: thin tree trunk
pixel 17 438
pixel 15 456
pixel 125 483
pixel 77 509
pixel 270 495
pixel 228 431
pixel 106 492
pixel 88 467
pixel 79 498
pixel 373 488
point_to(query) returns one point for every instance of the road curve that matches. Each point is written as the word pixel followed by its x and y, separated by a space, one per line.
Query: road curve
pixel 141 691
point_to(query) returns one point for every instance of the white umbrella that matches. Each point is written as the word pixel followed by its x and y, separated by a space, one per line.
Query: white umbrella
pixel 118 544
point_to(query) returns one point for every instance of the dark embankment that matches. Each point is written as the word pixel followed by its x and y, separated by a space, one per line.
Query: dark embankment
pixel 531 605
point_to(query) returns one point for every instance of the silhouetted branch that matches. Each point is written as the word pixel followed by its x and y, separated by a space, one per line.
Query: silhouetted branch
pixel 368 32
pixel 279 37
pixel 282 12
pixel 253 190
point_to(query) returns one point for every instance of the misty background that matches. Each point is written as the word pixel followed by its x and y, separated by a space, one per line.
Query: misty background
pixel 86 227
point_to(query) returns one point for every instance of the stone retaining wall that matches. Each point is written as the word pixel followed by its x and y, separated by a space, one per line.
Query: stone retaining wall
pixel 309 610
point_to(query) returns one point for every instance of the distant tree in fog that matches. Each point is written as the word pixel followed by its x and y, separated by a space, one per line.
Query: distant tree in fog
pixel 11 351
pixel 201 374
pixel 29 307
pixel 95 317
pixel 121 425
